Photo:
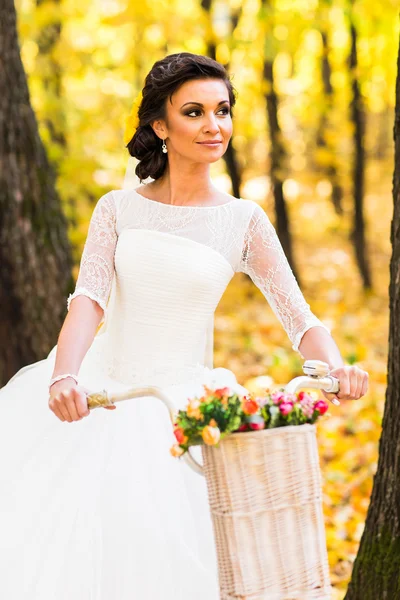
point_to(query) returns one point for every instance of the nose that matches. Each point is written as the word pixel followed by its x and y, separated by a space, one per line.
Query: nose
pixel 211 125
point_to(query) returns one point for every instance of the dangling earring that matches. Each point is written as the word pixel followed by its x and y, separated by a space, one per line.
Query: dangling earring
pixel 164 147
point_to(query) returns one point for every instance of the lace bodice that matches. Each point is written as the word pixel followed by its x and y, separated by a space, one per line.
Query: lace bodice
pixel 239 230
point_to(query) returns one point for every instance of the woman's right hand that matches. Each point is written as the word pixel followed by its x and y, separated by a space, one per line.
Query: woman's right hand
pixel 68 400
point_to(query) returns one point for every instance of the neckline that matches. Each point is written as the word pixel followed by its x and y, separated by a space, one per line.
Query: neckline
pixel 182 205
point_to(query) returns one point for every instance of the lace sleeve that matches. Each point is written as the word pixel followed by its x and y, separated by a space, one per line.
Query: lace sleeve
pixel 264 260
pixel 97 264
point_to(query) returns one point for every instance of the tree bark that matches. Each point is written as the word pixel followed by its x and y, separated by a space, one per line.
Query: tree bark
pixel 278 151
pixel 377 566
pixel 48 38
pixel 358 119
pixel 331 169
pixel 35 261
pixel 230 157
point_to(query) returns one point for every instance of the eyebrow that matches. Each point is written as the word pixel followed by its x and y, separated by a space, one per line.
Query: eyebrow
pixel 200 104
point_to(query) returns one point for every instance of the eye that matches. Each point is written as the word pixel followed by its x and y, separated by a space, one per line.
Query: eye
pixel 225 111
pixel 188 114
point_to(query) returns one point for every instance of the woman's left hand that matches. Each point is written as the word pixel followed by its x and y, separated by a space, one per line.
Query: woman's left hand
pixel 353 383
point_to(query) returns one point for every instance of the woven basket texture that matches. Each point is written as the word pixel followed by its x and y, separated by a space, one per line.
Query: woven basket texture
pixel 265 495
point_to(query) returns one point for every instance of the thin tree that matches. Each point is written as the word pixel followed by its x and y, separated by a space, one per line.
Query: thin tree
pixel 230 157
pixel 278 154
pixel 35 260
pixel 324 132
pixel 358 120
pixel 48 38
pixel 376 571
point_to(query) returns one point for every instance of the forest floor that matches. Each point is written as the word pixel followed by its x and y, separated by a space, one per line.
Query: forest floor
pixel 250 341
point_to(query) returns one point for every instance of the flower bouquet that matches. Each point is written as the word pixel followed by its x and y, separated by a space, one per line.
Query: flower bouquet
pixel 220 412
pixel 260 460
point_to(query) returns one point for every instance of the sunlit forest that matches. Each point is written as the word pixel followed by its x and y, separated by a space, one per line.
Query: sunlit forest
pixel 312 143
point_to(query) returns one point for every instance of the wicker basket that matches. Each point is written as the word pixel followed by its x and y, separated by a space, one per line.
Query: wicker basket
pixel 266 503
pixel 265 496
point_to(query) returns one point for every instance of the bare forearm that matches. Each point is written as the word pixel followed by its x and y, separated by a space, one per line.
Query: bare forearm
pixel 318 344
pixel 76 335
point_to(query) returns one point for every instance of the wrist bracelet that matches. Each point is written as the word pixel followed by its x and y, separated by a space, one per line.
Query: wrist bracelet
pixel 65 376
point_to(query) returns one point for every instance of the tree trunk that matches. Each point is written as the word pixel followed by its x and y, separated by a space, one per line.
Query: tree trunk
pixel 48 38
pixel 331 169
pixel 377 566
pixel 230 158
pixel 358 119
pixel 278 151
pixel 35 262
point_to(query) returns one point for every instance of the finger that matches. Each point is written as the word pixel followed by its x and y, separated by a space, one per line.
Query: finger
pixel 55 410
pixel 81 405
pixel 332 398
pixel 354 383
pixel 71 407
pixel 62 407
pixel 109 407
pixel 359 386
pixel 344 385
pixel 364 389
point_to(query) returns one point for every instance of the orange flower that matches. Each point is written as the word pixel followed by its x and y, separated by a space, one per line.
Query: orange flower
pixel 193 409
pixel 211 435
pixel 181 438
pixel 176 450
pixel 250 406
pixel 208 391
pixel 221 392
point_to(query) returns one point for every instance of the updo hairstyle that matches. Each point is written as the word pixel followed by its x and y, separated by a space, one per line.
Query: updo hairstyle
pixel 165 77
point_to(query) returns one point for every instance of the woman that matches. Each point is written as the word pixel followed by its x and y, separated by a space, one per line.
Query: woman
pixel 99 509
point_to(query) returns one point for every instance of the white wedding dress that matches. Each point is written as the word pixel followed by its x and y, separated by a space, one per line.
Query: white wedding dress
pixel 98 509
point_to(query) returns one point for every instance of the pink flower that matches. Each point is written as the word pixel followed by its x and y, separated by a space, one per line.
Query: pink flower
pixel 307 408
pixel 277 397
pixel 262 400
pixel 304 397
pixel 286 407
pixel 321 406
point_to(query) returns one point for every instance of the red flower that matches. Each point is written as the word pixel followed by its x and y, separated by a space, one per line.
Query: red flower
pixel 257 425
pixel 321 406
pixel 243 427
pixel 250 406
pixel 181 438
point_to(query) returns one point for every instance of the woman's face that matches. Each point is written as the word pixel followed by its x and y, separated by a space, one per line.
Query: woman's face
pixel 199 111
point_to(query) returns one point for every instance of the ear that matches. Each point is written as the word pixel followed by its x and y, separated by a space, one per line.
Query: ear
pixel 159 129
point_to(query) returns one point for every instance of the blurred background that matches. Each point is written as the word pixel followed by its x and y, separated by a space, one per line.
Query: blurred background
pixel 312 143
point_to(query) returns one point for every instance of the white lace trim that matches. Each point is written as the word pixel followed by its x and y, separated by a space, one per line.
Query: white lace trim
pixel 314 322
pixel 264 260
pixel 85 292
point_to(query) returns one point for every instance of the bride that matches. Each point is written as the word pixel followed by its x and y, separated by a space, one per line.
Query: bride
pixel 92 504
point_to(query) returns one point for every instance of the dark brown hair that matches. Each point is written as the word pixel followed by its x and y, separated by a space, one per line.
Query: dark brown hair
pixel 165 77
